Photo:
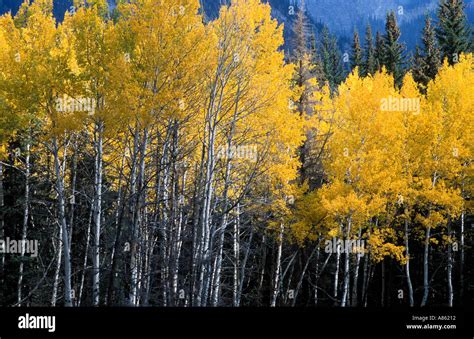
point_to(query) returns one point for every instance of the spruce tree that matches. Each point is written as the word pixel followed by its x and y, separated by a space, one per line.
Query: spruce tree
pixel 331 59
pixel 379 51
pixel 427 59
pixel 453 32
pixel 316 60
pixel 418 67
pixel 393 58
pixel 370 62
pixel 357 53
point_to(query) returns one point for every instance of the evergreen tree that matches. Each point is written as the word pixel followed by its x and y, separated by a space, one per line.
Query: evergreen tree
pixel 370 61
pixel 307 73
pixel 316 61
pixel 393 49
pixel 357 52
pixel 331 59
pixel 427 59
pixel 379 51
pixel 418 67
pixel 453 32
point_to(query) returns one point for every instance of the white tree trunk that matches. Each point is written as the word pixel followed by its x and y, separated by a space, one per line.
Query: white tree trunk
pixel 132 298
pixel 277 278
pixel 25 221
pixel 355 284
pixel 97 215
pixel 84 263
pixel 243 265
pixel 336 273
pixel 450 269
pixel 57 273
pixel 63 225
pixel 236 248
pixel 347 261
pixel 205 272
pixel 407 265
pixel 426 281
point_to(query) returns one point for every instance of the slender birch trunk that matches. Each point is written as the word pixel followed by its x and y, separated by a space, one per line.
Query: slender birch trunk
pixel 179 240
pixel 63 224
pixel 72 199
pixel 365 277
pixel 318 255
pixel 426 282
pixel 216 281
pixel 118 224
pixel 407 265
pixel 197 231
pixel 347 261
pixel 176 213
pixel 26 209
pixel 206 219
pixel 97 215
pixel 336 273
pixel 138 220
pixel 263 264
pixel 236 248
pixel 134 228
pixel 223 226
pixel 450 268
pixel 371 276
pixel 243 265
pixel 165 230
pixel 367 267
pixel 277 278
pixel 84 263
pixel 355 283
pixel 72 202
pixel 57 273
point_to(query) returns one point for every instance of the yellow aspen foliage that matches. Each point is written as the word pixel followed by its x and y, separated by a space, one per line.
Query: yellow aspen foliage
pixel 382 244
pixel 187 140
pixel 392 155
pixel 258 90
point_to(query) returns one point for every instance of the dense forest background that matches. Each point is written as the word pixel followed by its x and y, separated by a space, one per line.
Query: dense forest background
pixel 163 156
pixel 340 16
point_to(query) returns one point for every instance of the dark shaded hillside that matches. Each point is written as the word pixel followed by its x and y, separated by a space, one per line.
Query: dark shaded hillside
pixel 341 16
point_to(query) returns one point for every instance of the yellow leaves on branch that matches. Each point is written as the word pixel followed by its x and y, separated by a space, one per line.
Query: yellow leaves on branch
pixel 157 64
pixel 381 247
pixel 395 154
